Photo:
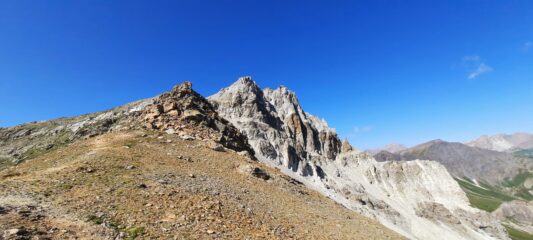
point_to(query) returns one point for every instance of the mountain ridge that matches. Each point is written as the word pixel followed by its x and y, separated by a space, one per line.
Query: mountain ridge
pixel 288 138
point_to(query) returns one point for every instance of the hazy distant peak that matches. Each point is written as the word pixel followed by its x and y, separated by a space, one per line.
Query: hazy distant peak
pixel 504 142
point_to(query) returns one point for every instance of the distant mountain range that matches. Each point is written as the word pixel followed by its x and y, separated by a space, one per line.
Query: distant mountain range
pixel 464 161
pixel 494 171
pixel 392 148
pixel 504 142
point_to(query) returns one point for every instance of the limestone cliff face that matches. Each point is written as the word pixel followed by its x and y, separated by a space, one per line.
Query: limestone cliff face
pixel 277 128
pixel 418 198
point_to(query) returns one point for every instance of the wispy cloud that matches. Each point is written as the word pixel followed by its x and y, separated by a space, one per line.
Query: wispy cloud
pixel 527 46
pixel 358 130
pixel 481 69
pixel 475 66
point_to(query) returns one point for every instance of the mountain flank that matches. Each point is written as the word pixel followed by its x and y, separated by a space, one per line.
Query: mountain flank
pixel 162 168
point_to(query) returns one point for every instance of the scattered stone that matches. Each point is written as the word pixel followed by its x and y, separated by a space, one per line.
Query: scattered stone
pixel 126 147
pixel 187 137
pixel 170 131
pixel 11 233
pixel 192 175
pixel 130 167
pixel 142 185
pixel 249 169
pixel 210 231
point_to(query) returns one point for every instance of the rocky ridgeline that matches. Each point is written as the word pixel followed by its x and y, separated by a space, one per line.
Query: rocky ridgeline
pixel 184 112
pixel 26 141
pixel 181 111
pixel 418 199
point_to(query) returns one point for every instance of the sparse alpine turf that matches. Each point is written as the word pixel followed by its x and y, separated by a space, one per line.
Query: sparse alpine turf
pixel 128 185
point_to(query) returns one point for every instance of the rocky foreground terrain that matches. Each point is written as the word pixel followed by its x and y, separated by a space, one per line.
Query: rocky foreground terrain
pixel 148 185
pixel 248 163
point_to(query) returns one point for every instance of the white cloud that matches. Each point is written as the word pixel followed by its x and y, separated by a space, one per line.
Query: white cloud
pixel 527 46
pixel 475 66
pixel 481 69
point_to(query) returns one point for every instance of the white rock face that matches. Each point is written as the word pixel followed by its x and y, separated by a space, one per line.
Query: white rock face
pixel 504 142
pixel 418 199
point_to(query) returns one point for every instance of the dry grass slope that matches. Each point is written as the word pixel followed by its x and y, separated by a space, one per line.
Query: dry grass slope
pixel 129 185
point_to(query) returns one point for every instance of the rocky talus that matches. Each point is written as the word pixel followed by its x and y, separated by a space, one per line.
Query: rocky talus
pixel 418 199
pixel 184 112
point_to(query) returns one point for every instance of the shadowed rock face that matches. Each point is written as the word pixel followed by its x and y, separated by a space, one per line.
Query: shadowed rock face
pixel 418 198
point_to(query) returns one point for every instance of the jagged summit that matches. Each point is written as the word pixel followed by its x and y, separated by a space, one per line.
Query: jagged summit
pixel 245 83
pixel 276 124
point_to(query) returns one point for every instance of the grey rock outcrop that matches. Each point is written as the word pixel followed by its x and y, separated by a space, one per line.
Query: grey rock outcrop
pixel 184 112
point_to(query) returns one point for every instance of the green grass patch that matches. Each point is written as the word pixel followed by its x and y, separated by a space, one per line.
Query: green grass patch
pixel 483 203
pixel 518 180
pixel 516 234
pixel 134 232
pixel 484 197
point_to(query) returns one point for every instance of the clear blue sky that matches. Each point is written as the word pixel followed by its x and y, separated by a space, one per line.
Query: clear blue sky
pixel 378 71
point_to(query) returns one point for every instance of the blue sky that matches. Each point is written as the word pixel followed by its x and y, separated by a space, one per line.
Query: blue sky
pixel 377 71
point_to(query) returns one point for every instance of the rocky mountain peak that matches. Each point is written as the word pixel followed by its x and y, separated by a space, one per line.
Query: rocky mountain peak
pixel 244 84
pixel 276 124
